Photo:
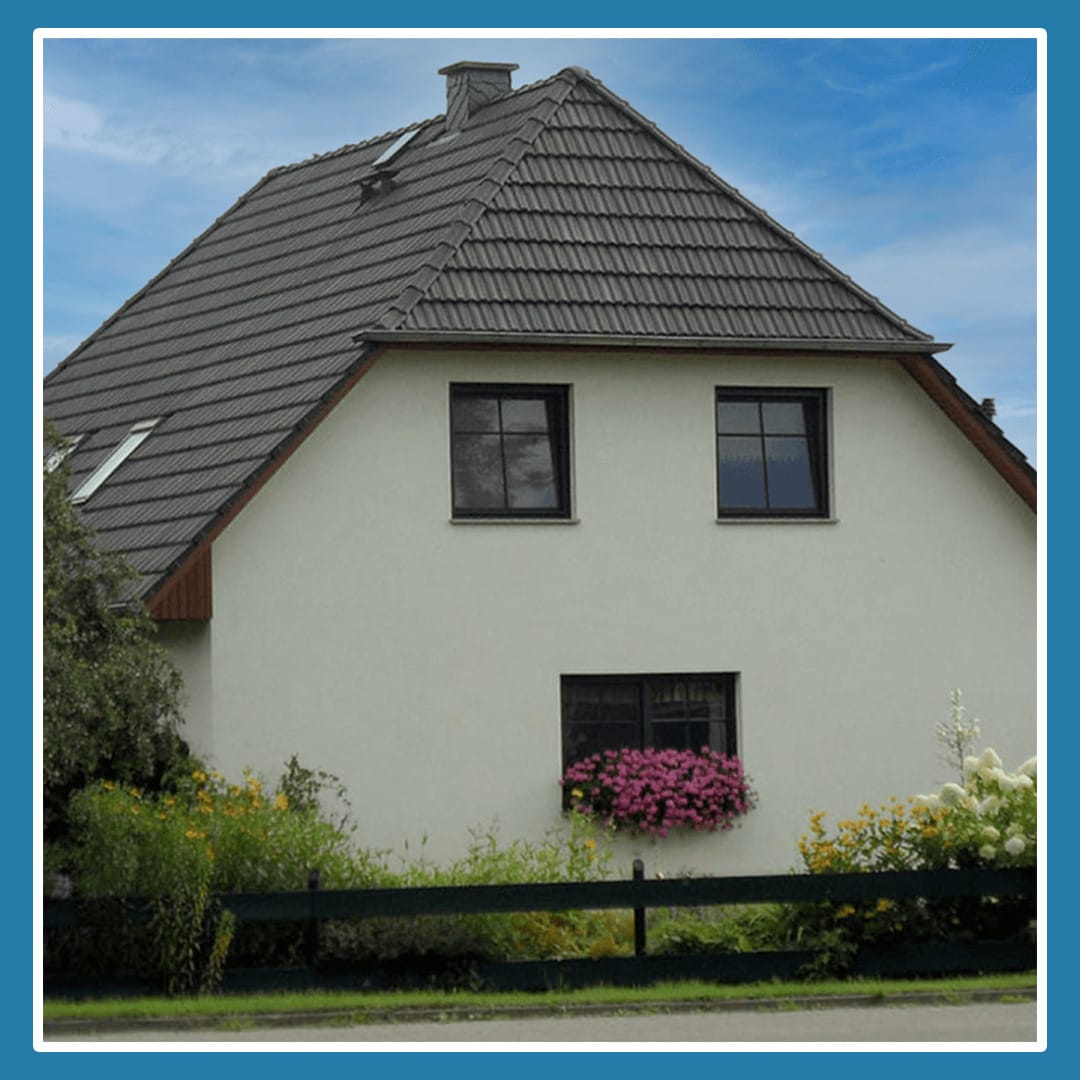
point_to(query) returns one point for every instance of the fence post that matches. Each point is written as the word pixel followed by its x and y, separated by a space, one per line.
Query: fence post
pixel 312 936
pixel 639 913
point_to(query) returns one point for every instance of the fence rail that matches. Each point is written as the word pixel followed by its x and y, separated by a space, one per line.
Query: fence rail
pixel 314 906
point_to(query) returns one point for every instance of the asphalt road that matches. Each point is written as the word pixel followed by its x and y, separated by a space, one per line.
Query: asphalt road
pixel 901 1024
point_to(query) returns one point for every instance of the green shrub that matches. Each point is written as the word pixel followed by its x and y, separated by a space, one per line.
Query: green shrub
pixel 577 852
pixel 735 929
pixel 110 693
pixel 209 837
pixel 177 850
pixel 987 821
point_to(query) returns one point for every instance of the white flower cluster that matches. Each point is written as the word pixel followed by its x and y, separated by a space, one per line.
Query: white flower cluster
pixel 987 767
pixel 984 793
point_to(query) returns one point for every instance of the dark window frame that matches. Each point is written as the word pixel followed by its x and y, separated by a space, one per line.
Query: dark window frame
pixel 646 721
pixel 557 397
pixel 816 416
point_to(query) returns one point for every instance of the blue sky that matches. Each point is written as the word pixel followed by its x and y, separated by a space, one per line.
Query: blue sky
pixel 908 163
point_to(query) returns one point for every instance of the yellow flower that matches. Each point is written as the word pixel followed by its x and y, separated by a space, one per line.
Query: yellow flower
pixel 281 802
pixel 209 852
pixel 845 911
pixel 170 800
pixel 135 810
pixel 577 793
pixel 590 843
pixel 134 792
pixel 194 834
pixel 199 775
pixel 108 785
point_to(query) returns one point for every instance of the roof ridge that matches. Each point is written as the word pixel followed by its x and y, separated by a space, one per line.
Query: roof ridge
pixel 348 148
pixel 473 207
pixel 396 133
pixel 733 192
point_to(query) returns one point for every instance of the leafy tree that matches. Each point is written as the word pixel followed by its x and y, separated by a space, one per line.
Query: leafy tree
pixel 111 693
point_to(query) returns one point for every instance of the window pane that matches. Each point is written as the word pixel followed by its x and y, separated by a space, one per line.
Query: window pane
pixel 478 473
pixel 707 698
pixel 519 414
pixel 742 473
pixel 530 472
pixel 681 735
pixel 580 741
pixel 475 413
pixel 599 717
pixel 737 418
pixel 790 483
pixel 602 703
pixel 667 698
pixel 783 417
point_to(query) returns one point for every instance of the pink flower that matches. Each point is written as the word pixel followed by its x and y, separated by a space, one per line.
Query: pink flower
pixel 654 791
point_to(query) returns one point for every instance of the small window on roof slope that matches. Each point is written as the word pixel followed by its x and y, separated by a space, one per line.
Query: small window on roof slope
pixel 395 148
pixel 131 441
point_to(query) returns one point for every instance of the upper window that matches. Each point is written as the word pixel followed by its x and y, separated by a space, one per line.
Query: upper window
pixel 131 441
pixel 771 453
pixel 511 451
pixel 640 712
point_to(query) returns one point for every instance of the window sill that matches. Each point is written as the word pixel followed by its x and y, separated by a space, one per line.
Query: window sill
pixel 777 521
pixel 514 521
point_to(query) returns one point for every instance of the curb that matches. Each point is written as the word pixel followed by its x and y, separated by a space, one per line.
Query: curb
pixel 451 1014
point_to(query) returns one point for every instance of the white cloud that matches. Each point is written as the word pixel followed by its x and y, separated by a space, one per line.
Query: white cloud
pixel 82 127
pixel 972 276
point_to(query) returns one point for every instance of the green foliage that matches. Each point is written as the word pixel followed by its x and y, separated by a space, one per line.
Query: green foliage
pixel 989 820
pixel 178 849
pixel 306 789
pixel 579 852
pixel 233 837
pixel 182 847
pixel 110 693
pixel 735 929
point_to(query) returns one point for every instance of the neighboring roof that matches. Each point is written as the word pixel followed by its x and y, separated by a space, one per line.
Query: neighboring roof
pixel 557 214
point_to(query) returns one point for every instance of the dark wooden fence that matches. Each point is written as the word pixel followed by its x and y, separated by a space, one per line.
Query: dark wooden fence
pixel 314 906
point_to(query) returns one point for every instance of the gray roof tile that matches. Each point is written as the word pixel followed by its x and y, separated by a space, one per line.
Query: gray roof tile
pixel 557 209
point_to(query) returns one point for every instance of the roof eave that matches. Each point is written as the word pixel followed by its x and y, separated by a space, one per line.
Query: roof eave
pixel 647 341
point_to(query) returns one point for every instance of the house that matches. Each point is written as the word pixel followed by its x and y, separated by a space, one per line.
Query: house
pixel 452 455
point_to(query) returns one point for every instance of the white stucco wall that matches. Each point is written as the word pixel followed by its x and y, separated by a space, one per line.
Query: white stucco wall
pixel 419 659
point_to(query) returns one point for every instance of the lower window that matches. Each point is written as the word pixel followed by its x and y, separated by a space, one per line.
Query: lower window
pixel 617 712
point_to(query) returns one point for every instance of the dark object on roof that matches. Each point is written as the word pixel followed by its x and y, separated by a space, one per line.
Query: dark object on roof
pixel 552 213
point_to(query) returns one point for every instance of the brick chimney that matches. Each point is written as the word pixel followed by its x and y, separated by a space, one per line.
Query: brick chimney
pixel 471 85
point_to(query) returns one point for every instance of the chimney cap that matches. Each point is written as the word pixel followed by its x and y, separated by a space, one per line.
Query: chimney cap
pixel 462 65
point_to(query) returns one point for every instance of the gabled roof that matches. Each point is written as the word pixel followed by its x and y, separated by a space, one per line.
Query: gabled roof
pixel 557 213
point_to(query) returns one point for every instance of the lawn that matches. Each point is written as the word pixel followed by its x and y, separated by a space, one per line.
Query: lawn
pixel 358 1007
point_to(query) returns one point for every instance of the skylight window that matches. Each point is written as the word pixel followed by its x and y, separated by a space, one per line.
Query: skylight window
pixel 395 148
pixel 132 440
